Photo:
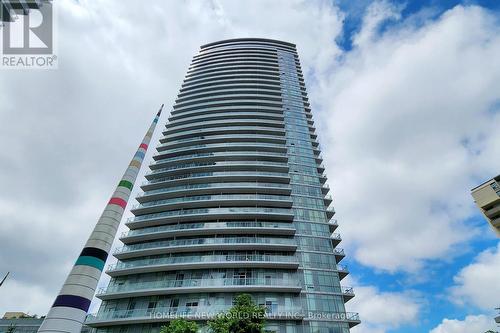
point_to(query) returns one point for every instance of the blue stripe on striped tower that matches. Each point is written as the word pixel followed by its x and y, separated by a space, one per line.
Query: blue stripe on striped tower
pixel 72 301
pixel 90 261
pixel 139 154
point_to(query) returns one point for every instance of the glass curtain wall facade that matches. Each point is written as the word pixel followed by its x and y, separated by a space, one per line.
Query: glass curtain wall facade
pixel 235 202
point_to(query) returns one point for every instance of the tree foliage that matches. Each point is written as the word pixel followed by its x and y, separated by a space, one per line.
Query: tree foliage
pixel 244 317
pixel 180 325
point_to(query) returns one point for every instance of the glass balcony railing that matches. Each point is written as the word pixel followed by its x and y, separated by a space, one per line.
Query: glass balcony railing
pixel 240 129
pixel 341 268
pixel 195 312
pixel 222 108
pixel 222 116
pixel 215 211
pixel 215 197
pixel 206 312
pixel 213 258
pixel 215 174
pixel 339 252
pixel 193 283
pixel 220 153
pixel 228 136
pixel 205 241
pixel 218 145
pixel 221 163
pixel 336 236
pixel 333 222
pixel 215 185
pixel 244 99
pixel 208 225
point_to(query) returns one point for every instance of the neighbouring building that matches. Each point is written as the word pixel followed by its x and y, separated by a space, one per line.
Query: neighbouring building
pixel 235 201
pixel 15 315
pixel 20 325
pixel 20 322
pixel 487 198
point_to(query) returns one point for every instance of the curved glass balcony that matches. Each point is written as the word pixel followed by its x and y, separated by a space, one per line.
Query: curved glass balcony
pixel 232 57
pixel 215 197
pixel 222 67
pixel 227 89
pixel 240 101
pixel 229 73
pixel 207 56
pixel 215 174
pixel 226 122
pixel 233 226
pixel 222 108
pixel 222 153
pixel 257 145
pixel 194 244
pixel 211 213
pixel 342 270
pixel 223 138
pixel 244 77
pixel 336 239
pixel 231 60
pixel 339 254
pixel 210 60
pixel 206 66
pixel 222 116
pixel 210 285
pixel 230 164
pixel 243 101
pixel 230 76
pixel 230 70
pixel 228 130
pixel 240 186
pixel 174 262
pixel 262 94
pixel 160 314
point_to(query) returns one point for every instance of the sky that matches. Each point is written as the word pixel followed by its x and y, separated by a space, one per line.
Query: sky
pixel 407 107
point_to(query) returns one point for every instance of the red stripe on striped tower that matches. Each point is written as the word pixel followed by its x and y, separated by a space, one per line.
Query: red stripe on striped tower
pixel 118 201
pixel 144 146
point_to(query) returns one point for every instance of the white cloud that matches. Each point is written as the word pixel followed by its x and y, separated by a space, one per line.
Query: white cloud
pixel 24 297
pixel 381 310
pixel 478 284
pixel 471 324
pixel 377 13
pixel 408 128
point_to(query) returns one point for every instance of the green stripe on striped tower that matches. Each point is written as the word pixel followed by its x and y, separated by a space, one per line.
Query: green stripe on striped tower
pixel 126 183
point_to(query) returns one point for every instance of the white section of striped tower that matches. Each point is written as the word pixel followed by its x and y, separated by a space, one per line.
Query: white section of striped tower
pixel 69 310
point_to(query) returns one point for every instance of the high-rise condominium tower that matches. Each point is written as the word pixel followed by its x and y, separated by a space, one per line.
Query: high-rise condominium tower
pixel 235 202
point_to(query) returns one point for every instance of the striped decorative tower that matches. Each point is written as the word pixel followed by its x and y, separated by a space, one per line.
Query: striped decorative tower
pixel 71 305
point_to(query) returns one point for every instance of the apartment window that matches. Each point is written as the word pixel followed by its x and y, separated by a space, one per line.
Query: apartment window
pixel 495 188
